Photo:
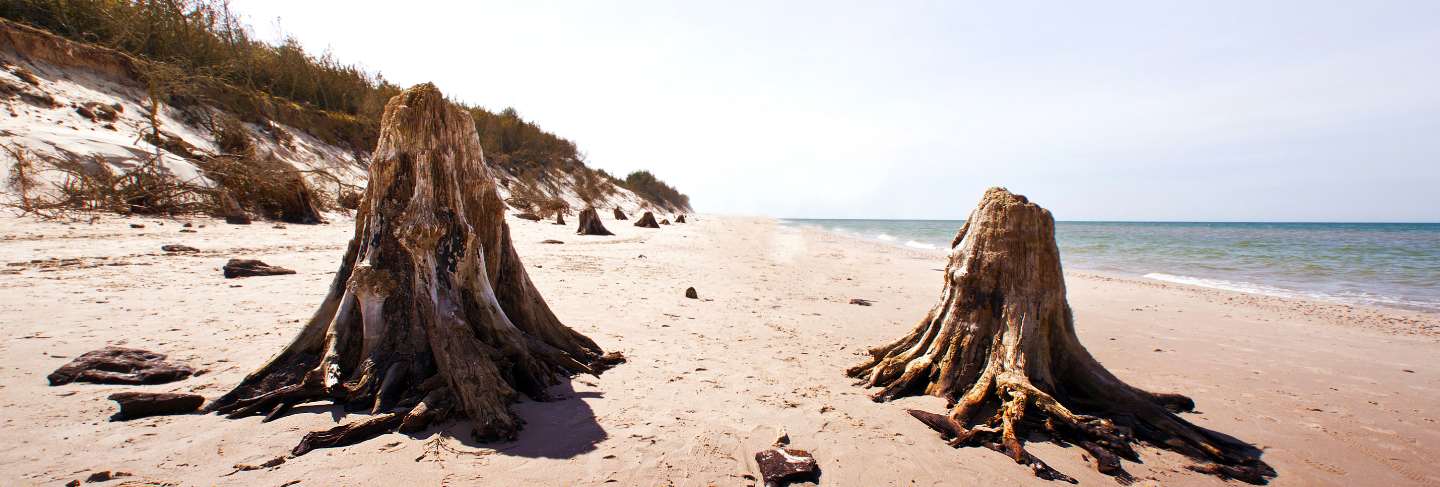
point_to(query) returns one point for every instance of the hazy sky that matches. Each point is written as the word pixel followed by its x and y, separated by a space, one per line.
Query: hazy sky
pixel 1145 110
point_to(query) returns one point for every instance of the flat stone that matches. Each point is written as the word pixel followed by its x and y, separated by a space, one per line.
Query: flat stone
pixel 780 466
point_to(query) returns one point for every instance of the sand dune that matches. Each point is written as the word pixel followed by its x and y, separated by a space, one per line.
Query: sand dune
pixel 1336 395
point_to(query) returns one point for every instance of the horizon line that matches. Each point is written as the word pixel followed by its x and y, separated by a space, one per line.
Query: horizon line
pixel 1391 222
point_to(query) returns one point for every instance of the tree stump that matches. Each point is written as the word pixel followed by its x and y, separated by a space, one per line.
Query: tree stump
pixel 234 214
pixel 620 215
pixel 431 314
pixel 647 221
pixel 1000 345
pixel 590 224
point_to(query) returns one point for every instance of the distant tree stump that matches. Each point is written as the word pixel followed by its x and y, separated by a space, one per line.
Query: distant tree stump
pixel 590 224
pixel 1001 347
pixel 431 314
pixel 647 221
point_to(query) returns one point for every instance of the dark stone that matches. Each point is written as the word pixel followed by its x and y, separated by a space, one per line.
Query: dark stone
pixel 780 466
pixel 178 248
pixel 860 302
pixel 690 293
pixel 141 404
pixel 252 268
pixel 118 365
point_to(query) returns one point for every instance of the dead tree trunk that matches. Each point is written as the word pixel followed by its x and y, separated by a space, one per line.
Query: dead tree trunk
pixel 590 223
pixel 647 221
pixel 620 215
pixel 1001 347
pixel 431 314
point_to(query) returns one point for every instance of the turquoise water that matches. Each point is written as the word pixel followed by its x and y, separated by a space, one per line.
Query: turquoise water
pixel 1389 264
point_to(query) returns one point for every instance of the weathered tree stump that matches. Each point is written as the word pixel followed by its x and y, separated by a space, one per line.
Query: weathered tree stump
pixel 431 315
pixel 251 268
pixel 590 224
pixel 141 404
pixel 1001 347
pixel 620 215
pixel 231 210
pixel 647 221
pixel 119 365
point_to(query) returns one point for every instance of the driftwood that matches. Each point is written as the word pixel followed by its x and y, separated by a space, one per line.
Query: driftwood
pixel 118 365
pixel 1001 347
pixel 590 223
pixel 431 305
pixel 620 215
pixel 647 221
pixel 141 404
pixel 252 268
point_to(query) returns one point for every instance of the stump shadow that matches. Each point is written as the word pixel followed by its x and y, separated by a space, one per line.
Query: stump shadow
pixel 562 427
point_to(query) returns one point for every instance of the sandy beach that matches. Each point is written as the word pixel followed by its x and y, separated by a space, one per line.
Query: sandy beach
pixel 1334 394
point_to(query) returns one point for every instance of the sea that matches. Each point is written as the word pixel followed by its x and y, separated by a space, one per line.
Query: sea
pixel 1385 264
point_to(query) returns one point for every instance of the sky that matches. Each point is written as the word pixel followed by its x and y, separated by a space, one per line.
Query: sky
pixel 1147 110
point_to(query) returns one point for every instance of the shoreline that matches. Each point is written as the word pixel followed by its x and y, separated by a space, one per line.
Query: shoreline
pixel 1391 318
pixel 709 382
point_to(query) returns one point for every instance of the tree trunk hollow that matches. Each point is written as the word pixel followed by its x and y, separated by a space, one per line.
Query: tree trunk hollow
pixel 431 314
pixel 1000 345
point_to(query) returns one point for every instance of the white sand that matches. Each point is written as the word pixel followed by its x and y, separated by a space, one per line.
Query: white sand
pixel 1327 390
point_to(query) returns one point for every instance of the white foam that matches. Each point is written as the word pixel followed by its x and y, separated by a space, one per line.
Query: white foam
pixel 1261 289
pixel 919 245
pixel 885 237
